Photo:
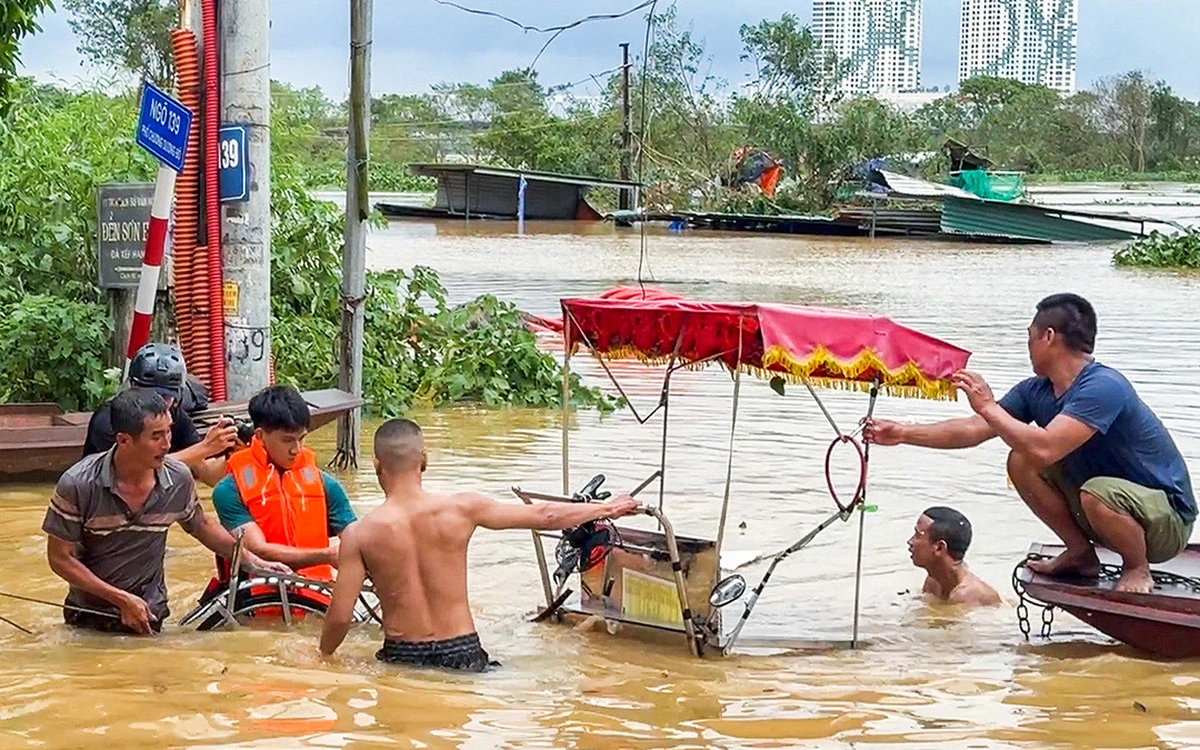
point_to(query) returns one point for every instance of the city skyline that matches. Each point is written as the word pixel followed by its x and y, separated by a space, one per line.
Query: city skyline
pixel 421 43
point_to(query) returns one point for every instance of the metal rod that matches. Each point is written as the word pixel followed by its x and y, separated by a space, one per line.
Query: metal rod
pixel 566 414
pixel 821 404
pixel 235 562
pixel 18 627
pixel 737 385
pixel 62 605
pixel 862 518
pixel 779 557
pixel 662 457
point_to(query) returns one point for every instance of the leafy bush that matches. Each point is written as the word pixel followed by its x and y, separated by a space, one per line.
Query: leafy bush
pixel 52 351
pixel 1161 251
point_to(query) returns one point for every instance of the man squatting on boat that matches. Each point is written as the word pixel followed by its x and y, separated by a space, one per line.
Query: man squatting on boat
pixel 1088 456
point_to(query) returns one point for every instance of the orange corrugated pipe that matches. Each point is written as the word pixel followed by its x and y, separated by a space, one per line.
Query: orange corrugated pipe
pixel 212 204
pixel 193 338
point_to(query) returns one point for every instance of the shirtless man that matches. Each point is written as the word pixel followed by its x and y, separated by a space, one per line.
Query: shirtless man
pixel 414 547
pixel 938 544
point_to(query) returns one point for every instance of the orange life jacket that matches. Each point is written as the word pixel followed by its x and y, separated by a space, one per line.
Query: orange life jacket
pixel 289 507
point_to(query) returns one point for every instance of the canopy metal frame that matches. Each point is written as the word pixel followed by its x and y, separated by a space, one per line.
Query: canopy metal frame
pixel 696 639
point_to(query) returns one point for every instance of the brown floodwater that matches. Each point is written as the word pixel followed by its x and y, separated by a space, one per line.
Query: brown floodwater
pixel 929 676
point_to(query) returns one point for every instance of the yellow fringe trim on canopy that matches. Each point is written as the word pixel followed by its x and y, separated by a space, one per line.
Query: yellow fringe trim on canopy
pixel 907 382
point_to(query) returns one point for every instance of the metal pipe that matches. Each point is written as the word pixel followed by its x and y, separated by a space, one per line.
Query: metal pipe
pixel 547 588
pixel 677 568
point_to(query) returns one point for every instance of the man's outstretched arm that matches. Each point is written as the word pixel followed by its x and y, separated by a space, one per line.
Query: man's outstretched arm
pixel 961 432
pixel 549 516
pixel 352 573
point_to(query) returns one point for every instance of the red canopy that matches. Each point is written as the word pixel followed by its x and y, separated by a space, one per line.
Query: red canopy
pixel 833 348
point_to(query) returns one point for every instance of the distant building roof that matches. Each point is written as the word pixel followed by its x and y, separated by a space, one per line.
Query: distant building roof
pixel 531 175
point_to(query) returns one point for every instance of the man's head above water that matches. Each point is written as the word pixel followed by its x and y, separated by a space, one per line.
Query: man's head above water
pixel 399 450
pixel 281 418
pixel 940 538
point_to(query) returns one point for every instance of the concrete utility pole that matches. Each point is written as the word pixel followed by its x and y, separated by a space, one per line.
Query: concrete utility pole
pixel 246 228
pixel 626 195
pixel 354 260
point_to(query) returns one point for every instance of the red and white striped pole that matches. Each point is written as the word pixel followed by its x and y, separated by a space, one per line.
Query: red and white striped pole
pixel 152 257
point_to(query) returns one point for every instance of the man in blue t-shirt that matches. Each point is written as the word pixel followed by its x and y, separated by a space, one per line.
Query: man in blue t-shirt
pixel 1089 458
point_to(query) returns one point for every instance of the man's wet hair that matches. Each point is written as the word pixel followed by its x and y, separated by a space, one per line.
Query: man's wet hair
pixel 399 445
pixel 131 408
pixel 279 407
pixel 1072 317
pixel 951 527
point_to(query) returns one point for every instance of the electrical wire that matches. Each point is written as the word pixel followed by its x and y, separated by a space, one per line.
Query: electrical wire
pixel 642 259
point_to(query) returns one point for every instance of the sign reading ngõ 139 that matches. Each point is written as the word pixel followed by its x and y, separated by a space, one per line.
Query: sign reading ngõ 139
pixel 163 126
pixel 231 158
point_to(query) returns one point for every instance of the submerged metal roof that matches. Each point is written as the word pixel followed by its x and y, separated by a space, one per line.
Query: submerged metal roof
pixel 531 175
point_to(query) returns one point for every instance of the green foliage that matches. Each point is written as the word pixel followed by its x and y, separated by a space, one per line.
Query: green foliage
pixel 416 345
pixel 1161 251
pixel 57 148
pixel 127 35
pixel 18 19
pixel 52 351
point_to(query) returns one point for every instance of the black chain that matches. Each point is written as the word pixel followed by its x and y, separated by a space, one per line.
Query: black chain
pixel 1024 600
pixel 1108 572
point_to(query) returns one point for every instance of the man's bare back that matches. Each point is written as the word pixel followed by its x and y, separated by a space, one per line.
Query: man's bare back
pixel 414 549
pixel 415 552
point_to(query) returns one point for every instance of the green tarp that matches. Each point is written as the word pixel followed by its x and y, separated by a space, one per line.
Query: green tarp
pixel 998 187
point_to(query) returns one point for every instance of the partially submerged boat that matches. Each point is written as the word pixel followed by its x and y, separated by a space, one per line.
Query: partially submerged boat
pixel 1163 623
pixel 40 441
pixel 655 585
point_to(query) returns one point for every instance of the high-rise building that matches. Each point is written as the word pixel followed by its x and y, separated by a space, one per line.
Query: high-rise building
pixel 877 42
pixel 1032 41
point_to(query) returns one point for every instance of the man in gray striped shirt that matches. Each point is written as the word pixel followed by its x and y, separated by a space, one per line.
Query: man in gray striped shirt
pixel 108 519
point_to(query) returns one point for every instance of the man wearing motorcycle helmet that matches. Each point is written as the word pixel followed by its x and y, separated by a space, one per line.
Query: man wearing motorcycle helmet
pixel 160 367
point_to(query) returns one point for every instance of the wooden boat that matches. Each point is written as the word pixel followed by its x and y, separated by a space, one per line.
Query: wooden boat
pixel 1164 623
pixel 39 441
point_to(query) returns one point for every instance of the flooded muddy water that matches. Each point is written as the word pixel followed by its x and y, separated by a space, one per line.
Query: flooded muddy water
pixel 929 676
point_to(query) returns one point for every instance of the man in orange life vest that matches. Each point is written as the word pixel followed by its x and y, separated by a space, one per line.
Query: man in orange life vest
pixel 286 507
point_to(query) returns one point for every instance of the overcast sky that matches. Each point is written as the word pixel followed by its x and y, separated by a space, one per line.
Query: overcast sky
pixel 419 42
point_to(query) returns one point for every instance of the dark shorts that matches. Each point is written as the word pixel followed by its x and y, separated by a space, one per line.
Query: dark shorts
pixel 103 624
pixel 1166 532
pixel 463 653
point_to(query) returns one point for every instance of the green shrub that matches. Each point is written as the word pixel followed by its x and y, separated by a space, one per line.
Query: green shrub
pixel 1161 251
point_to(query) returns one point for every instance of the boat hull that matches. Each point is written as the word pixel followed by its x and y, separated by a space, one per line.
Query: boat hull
pixel 38 442
pixel 1164 623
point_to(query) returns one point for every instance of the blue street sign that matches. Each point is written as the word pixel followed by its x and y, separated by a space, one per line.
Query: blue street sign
pixel 163 126
pixel 234 170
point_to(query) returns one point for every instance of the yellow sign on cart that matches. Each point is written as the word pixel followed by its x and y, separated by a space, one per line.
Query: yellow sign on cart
pixel 650 600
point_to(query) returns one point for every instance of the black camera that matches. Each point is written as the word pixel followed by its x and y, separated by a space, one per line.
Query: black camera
pixel 245 432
